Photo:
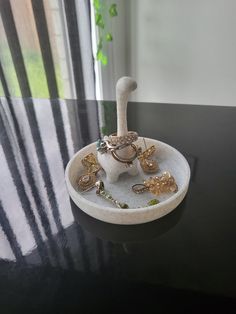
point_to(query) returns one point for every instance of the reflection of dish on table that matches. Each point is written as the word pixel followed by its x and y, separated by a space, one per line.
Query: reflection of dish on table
pixel 168 158
pixel 127 233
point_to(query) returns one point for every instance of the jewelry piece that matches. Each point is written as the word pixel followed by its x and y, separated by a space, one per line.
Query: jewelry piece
pixel 148 165
pixel 86 181
pixel 101 192
pixel 101 146
pixel 91 164
pixel 153 202
pixel 129 138
pixel 104 146
pixel 115 147
pixel 127 161
pixel 157 185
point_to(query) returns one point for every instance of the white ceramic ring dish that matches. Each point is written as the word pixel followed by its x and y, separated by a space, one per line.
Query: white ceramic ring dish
pixel 169 159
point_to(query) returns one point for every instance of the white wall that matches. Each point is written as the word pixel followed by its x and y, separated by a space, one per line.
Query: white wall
pixel 181 51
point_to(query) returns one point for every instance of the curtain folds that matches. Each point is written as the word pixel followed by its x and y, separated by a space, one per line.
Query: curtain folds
pixel 45 56
pixel 36 221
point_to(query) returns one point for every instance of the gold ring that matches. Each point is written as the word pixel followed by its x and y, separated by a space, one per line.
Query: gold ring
pixel 123 160
pixel 129 138
pixel 111 146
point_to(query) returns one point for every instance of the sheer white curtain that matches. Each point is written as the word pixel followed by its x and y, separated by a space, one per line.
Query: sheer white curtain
pixel 53 39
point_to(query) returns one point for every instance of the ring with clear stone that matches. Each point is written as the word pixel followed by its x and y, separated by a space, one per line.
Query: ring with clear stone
pixel 129 138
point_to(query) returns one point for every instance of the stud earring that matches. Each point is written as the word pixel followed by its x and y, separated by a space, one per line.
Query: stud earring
pixel 148 165
pixel 157 185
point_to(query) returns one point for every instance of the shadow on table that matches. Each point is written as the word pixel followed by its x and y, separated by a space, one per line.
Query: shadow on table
pixel 128 233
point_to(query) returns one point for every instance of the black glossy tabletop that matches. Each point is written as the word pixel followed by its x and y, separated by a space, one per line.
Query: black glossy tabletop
pixel 54 258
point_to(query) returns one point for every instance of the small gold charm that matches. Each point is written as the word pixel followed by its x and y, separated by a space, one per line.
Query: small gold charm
pixel 157 185
pixel 148 165
pixel 91 164
pixel 86 181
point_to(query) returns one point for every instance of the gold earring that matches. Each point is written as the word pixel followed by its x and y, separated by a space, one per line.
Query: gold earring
pixel 91 164
pixel 86 181
pixel 148 165
pixel 157 185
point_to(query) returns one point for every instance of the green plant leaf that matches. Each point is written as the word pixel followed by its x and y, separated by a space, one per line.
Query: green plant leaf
pixel 99 20
pixel 113 10
pixel 109 37
pixel 101 57
pixel 100 44
pixel 104 130
pixel 96 4
pixel 99 54
pixel 104 60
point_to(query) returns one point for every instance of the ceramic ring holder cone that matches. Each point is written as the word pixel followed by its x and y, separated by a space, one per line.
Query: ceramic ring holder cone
pixel 112 167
